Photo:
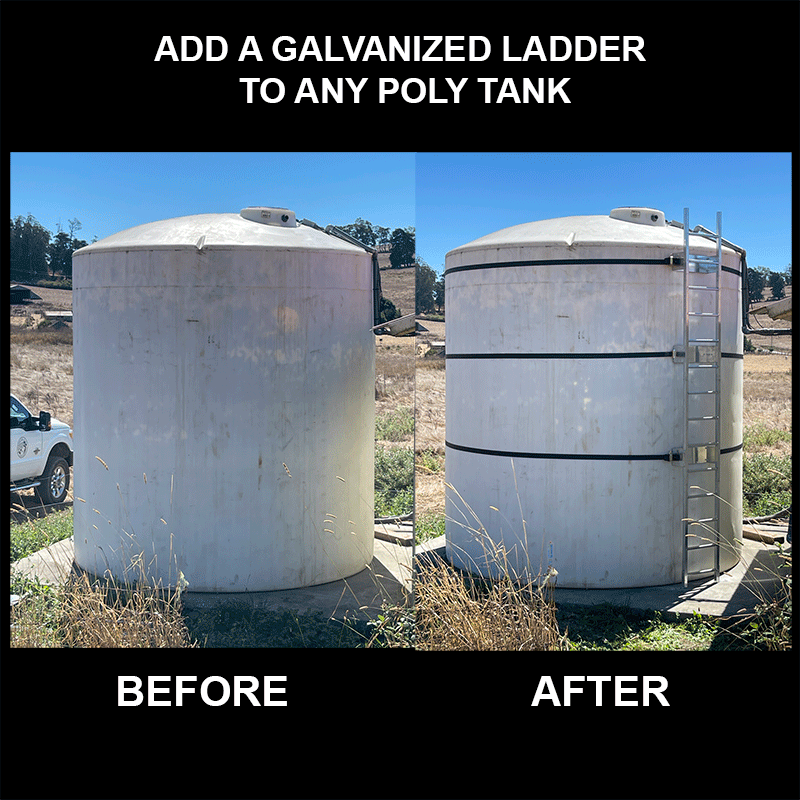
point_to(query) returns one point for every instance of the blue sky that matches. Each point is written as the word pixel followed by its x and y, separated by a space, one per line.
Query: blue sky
pixel 462 196
pixel 109 192
pixel 451 198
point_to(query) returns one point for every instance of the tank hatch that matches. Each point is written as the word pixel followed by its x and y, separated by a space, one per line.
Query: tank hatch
pixel 639 215
pixel 266 215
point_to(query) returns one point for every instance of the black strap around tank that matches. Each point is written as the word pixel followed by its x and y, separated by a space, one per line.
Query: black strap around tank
pixel 523 356
pixel 656 354
pixel 576 456
pixel 552 262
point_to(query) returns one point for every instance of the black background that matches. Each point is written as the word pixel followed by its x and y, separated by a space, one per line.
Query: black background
pixel 81 76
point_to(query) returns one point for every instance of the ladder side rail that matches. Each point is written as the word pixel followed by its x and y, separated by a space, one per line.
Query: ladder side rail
pixel 686 351
pixel 718 412
pixel 707 355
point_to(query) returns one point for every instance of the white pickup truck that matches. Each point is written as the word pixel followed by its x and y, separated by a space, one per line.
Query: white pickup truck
pixel 41 454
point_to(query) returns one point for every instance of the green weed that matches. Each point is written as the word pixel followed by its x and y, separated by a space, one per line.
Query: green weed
pixel 766 484
pixel 395 426
pixel 394 481
pixel 33 534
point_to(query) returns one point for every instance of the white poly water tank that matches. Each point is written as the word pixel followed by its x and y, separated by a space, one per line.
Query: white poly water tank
pixel 224 403
pixel 564 400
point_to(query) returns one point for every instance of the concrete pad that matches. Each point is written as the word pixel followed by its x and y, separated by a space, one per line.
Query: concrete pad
pixel 737 592
pixel 396 532
pixel 51 565
pixel 387 579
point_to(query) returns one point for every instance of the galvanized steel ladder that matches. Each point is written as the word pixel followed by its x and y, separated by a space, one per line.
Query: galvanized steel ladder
pixel 701 376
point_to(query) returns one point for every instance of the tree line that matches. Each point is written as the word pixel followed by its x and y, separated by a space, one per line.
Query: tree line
pixel 758 278
pixel 429 289
pixel 401 241
pixel 37 255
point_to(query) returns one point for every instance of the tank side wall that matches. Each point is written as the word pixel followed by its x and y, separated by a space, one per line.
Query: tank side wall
pixel 231 396
pixel 575 361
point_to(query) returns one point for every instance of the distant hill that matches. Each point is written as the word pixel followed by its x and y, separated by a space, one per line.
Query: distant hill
pixel 397 285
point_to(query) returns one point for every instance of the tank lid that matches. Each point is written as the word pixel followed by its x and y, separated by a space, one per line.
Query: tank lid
pixel 268 215
pixel 631 226
pixel 639 215
pixel 250 228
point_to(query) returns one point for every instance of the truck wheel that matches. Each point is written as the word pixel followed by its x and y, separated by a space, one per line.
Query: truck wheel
pixel 55 482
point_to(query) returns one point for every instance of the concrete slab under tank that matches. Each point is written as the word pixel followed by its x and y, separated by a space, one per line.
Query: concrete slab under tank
pixel 387 578
pixel 738 591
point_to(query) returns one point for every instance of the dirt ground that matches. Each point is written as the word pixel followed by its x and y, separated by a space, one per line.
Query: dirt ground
pixel 429 420
pixel 41 364
pixel 394 356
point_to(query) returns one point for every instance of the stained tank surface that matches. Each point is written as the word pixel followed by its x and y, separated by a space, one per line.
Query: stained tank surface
pixel 565 399
pixel 224 403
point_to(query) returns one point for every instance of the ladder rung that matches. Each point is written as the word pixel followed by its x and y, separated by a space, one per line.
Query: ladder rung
pixel 704 466
pixel 691 549
pixel 700 419
pixel 705 391
pixel 702 314
pixel 703 341
pixel 699 496
pixel 702 288
pixel 701 571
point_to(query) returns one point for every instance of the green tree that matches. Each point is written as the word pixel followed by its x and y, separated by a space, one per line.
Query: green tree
pixel 425 287
pixel 438 293
pixel 61 248
pixel 777 283
pixel 362 230
pixel 28 243
pixel 387 310
pixel 403 245
pixel 756 281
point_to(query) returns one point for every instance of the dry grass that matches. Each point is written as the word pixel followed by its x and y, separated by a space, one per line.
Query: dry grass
pixel 394 356
pixel 85 612
pixel 96 614
pixel 456 611
pixel 767 398
pixel 429 439
pixel 430 422
pixel 397 285
pixel 41 367
pixel 780 343
pixel 394 373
